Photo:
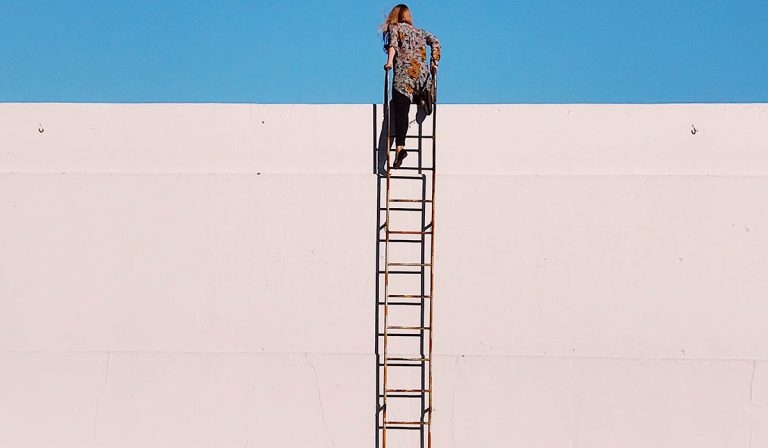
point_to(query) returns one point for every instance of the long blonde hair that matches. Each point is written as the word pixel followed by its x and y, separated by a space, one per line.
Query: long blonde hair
pixel 399 14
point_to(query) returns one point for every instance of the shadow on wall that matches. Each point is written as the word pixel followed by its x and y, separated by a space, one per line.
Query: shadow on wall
pixel 381 149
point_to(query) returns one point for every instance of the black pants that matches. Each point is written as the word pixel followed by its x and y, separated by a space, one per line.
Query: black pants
pixel 399 107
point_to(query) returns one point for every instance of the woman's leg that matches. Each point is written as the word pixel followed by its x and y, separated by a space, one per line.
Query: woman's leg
pixel 402 105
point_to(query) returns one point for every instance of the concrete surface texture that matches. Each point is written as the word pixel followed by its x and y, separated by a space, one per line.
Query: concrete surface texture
pixel 202 276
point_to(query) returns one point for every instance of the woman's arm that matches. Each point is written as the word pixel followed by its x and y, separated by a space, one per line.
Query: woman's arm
pixel 391 43
pixel 390 58
pixel 434 44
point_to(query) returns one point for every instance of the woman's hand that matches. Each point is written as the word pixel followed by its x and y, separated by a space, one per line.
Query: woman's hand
pixel 388 66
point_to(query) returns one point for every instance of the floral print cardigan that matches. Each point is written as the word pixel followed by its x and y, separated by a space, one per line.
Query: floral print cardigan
pixel 410 63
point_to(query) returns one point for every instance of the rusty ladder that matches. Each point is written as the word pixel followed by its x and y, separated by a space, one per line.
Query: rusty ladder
pixel 405 229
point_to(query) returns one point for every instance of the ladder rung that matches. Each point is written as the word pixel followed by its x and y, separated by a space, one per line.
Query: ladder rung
pixel 410 335
pixel 408 177
pixel 400 365
pixel 401 209
pixel 401 396
pixel 400 303
pixel 408 232
pixel 409 359
pixel 410 200
pixel 405 327
pixel 415 391
pixel 407 296
pixel 404 149
pixel 417 136
pixel 408 428
pixel 414 168
pixel 406 423
pixel 401 241
pixel 401 272
pixel 410 264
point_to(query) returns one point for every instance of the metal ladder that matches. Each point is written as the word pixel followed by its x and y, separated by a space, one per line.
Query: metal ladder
pixel 405 226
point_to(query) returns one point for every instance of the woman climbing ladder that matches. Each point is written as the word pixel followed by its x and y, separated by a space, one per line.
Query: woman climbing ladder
pixel 406 48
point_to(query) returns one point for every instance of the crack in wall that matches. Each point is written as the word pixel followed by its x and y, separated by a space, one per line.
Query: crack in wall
pixel 98 399
pixel 752 382
pixel 319 399
pixel 453 413
pixel 752 397
pixel 453 399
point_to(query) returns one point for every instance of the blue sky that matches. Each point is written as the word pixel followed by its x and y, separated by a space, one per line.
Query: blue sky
pixel 286 51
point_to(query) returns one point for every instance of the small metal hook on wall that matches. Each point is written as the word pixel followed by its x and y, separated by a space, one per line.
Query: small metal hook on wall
pixel 40 128
pixel 694 130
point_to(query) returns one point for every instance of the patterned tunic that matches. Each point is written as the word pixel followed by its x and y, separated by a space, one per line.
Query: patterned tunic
pixel 410 63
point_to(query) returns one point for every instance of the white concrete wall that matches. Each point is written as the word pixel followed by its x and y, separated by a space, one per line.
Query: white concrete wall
pixel 202 276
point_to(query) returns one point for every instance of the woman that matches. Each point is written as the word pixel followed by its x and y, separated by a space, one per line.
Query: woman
pixel 406 48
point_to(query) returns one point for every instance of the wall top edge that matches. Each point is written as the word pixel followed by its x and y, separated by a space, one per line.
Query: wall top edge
pixel 452 105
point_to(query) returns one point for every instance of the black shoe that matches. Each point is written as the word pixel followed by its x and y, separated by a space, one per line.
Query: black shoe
pixel 399 159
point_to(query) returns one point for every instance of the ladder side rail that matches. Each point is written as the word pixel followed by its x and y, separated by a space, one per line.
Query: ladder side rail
pixel 422 293
pixel 386 259
pixel 434 129
pixel 420 138
pixel 422 279
pixel 432 263
pixel 377 293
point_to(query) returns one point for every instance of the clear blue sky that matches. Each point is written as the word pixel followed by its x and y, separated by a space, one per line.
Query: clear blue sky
pixel 290 51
